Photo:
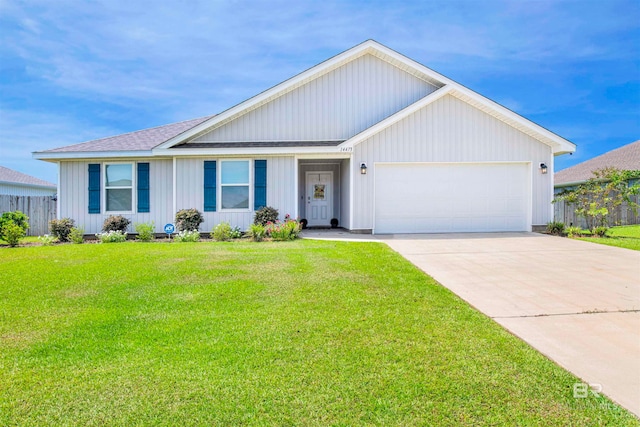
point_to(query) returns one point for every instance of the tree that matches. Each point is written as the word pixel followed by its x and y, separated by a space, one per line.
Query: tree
pixel 597 198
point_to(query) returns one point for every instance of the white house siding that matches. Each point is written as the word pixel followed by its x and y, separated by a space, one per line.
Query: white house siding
pixel 345 186
pixel 190 190
pixel 335 106
pixel 26 190
pixel 73 195
pixel 450 130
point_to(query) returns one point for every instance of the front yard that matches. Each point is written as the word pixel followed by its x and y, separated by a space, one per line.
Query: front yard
pixel 292 333
pixel 627 236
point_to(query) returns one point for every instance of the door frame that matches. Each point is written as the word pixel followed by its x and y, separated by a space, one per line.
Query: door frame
pixel 330 201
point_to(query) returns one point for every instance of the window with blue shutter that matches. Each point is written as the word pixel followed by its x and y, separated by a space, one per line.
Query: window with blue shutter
pixel 143 187
pixel 259 184
pixel 210 186
pixel 94 188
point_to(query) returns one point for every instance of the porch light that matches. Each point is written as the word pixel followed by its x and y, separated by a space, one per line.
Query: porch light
pixel 363 168
pixel 543 168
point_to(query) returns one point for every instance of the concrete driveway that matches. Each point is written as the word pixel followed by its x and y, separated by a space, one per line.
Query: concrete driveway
pixel 576 302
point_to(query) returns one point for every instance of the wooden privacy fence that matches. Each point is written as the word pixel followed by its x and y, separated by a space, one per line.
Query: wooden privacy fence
pixel 39 209
pixel 623 215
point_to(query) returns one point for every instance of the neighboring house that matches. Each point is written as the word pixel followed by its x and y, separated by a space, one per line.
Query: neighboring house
pixel 626 157
pixel 16 183
pixel 369 137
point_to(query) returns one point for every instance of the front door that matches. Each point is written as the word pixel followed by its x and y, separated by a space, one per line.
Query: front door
pixel 319 198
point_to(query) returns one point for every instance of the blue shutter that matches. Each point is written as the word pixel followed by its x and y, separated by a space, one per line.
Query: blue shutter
pixel 94 188
pixel 143 187
pixel 259 184
pixel 210 186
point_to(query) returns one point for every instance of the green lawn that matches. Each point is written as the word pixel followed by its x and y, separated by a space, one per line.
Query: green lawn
pixel 627 236
pixel 295 333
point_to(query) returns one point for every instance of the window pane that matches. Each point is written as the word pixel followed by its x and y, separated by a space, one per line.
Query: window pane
pixel 119 200
pixel 118 176
pixel 235 172
pixel 235 197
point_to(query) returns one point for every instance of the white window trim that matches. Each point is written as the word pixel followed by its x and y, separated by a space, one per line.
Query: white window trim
pixel 105 188
pixel 249 184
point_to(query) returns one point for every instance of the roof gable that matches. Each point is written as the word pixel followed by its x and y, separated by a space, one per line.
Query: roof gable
pixel 626 157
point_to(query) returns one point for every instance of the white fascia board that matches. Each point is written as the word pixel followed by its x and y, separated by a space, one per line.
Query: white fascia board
pixel 77 155
pixel 380 126
pixel 23 184
pixel 250 151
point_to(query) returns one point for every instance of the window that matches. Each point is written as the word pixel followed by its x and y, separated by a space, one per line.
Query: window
pixel 118 185
pixel 234 184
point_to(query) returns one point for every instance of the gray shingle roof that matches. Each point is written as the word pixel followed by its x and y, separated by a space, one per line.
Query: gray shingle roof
pixel 626 157
pixel 9 175
pixel 141 140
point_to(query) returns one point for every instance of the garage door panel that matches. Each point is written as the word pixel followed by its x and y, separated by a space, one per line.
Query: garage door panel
pixel 463 197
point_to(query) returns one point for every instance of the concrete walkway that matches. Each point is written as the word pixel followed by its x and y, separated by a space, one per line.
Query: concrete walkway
pixel 576 302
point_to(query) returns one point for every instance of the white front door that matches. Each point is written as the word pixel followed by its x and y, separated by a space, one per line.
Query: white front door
pixel 319 198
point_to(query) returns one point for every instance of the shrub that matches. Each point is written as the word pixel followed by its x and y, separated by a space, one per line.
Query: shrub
pixel 257 232
pixel 236 233
pixel 116 223
pixel 188 220
pixel 47 239
pixel 600 231
pixel 60 228
pixel 112 236
pixel 12 233
pixel 556 228
pixel 573 231
pixel 280 231
pixel 188 236
pixel 145 231
pixel 265 215
pixel 76 235
pixel 222 232
pixel 17 218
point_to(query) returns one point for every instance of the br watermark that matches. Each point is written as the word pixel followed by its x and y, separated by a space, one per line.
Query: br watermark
pixel 583 390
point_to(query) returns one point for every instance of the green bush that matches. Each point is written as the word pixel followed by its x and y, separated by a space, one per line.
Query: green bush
pixel 145 231
pixel 573 231
pixel 265 215
pixel 76 235
pixel 60 228
pixel 116 223
pixel 600 231
pixel 222 232
pixel 189 220
pixel 17 218
pixel 257 232
pixel 12 233
pixel 186 236
pixel 556 228
pixel 236 233
pixel 47 239
pixel 280 231
pixel 112 236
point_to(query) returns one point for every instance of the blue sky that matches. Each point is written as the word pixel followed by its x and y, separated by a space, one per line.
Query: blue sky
pixel 72 70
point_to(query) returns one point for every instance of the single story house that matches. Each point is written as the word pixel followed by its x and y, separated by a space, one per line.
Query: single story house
pixel 369 137
pixel 16 183
pixel 626 157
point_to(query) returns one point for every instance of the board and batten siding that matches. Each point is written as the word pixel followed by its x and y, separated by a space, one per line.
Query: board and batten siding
pixel 336 106
pixel 450 130
pixel 280 190
pixel 73 195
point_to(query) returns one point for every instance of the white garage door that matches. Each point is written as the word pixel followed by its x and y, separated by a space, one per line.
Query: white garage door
pixel 451 197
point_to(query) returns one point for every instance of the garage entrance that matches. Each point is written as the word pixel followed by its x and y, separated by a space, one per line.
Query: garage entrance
pixel 452 197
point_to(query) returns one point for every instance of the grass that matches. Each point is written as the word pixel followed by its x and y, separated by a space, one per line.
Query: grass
pixel 627 236
pixel 292 333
